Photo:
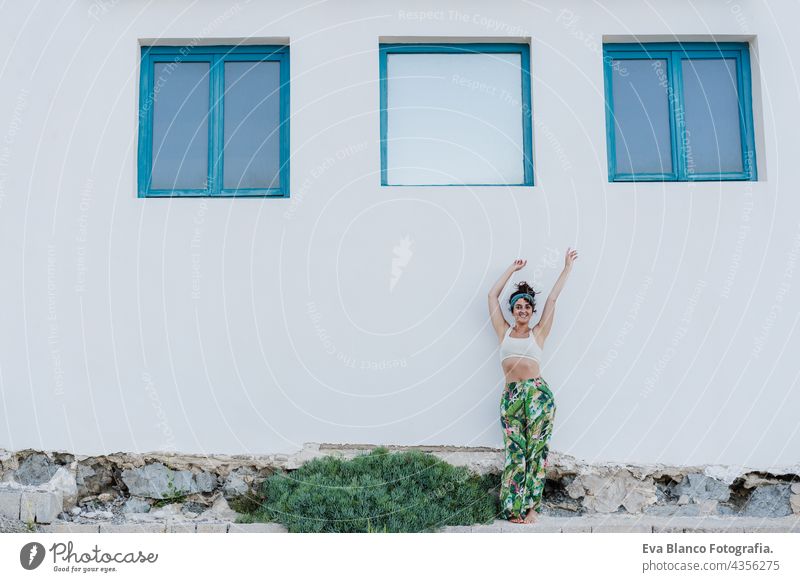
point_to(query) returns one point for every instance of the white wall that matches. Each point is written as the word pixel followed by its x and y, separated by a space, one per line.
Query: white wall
pixel 240 326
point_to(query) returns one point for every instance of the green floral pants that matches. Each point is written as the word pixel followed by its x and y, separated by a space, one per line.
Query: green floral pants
pixel 527 412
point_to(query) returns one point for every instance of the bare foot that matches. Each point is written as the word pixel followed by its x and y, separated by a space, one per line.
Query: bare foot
pixel 531 517
pixel 516 520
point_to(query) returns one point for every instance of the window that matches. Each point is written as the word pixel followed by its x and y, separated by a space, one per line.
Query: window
pixel 455 114
pixel 679 111
pixel 214 121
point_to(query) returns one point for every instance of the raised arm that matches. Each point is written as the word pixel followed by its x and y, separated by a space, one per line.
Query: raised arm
pixel 542 329
pixel 495 310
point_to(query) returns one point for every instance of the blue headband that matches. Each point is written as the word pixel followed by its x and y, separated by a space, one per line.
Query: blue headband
pixel 517 296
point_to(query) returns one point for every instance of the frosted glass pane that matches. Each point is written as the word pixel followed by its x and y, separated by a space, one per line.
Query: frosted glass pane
pixel 641 112
pixel 711 99
pixel 180 126
pixel 252 125
pixel 454 119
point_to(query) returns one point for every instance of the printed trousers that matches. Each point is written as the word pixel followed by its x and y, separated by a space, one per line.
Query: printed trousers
pixel 527 412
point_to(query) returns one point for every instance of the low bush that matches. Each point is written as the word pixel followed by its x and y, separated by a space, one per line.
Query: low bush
pixel 377 492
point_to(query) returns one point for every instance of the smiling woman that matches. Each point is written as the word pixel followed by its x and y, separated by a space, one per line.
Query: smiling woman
pixel 527 406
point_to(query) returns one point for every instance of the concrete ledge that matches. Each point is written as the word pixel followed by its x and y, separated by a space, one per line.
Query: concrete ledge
pixel 181 528
pixel 459 529
pixel 629 524
pixel 132 528
pixel 534 528
pixel 481 528
pixel 257 528
pixel 212 528
pixel 622 529
pixel 70 528
pixel 544 524
pixel 576 528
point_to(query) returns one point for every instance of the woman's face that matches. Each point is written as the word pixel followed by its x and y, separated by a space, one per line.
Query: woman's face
pixel 523 310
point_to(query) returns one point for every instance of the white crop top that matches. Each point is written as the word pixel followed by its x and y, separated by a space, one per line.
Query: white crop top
pixel 521 347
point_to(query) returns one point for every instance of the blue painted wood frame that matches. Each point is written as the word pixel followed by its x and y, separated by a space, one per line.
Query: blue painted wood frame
pixel 675 53
pixel 216 56
pixel 454 48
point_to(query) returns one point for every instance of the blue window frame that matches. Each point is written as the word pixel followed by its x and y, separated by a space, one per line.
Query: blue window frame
pixel 679 111
pixel 453 121
pixel 214 121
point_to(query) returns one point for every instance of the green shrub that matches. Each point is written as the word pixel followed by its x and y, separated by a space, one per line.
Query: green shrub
pixel 377 492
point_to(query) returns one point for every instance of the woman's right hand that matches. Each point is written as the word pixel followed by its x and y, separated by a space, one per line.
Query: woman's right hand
pixel 518 264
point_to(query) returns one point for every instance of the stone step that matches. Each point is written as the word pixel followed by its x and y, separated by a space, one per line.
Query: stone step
pixel 634 524
pixel 544 524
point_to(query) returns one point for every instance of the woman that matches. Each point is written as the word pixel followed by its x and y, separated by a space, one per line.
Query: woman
pixel 527 408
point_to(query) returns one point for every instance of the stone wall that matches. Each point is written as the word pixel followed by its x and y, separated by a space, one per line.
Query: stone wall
pixel 41 487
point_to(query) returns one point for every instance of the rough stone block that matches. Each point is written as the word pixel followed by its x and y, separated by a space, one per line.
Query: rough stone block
pixel 606 491
pixel 769 501
pixel 181 528
pixel 136 505
pixel 158 481
pixel 235 485
pixel 257 528
pixel 40 506
pixel 220 511
pixel 63 482
pixel 35 470
pixel 10 500
pixel 206 482
pixel 699 487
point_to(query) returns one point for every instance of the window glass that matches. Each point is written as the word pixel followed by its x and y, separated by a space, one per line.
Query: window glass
pixel 641 115
pixel 180 126
pixel 711 100
pixel 252 125
pixel 457 115
pixel 214 121
pixel 679 111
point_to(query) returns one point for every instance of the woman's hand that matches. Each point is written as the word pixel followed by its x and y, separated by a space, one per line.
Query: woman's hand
pixel 570 258
pixel 518 264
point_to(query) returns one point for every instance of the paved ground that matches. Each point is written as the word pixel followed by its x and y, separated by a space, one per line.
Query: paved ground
pixel 595 524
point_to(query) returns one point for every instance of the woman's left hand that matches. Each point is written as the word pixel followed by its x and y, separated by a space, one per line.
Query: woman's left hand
pixel 570 258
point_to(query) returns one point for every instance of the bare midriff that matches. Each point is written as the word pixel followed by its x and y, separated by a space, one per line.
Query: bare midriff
pixel 517 369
